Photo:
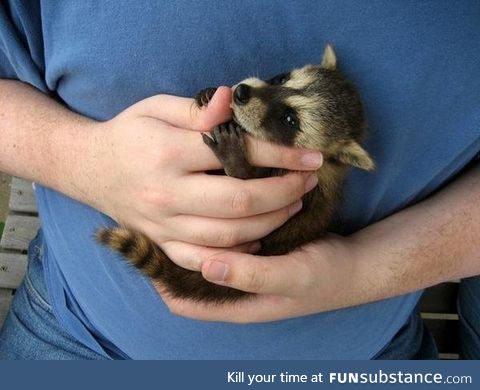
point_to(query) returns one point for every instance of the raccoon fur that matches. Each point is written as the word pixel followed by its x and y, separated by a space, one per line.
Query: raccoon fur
pixel 312 107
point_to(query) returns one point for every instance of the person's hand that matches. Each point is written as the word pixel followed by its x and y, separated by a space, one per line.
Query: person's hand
pixel 318 277
pixel 415 248
pixel 148 173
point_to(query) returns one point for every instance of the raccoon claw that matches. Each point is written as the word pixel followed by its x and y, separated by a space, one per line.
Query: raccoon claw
pixel 204 96
pixel 208 140
pixel 228 144
pixel 228 139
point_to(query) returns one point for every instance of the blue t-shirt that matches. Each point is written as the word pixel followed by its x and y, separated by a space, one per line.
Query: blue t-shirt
pixel 416 65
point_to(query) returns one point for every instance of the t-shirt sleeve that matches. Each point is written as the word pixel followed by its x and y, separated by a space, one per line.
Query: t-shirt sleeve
pixel 21 43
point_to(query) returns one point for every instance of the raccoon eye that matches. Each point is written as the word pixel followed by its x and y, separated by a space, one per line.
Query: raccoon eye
pixel 279 79
pixel 290 119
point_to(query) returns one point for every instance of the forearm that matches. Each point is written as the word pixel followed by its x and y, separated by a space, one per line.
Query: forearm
pixel 434 241
pixel 41 140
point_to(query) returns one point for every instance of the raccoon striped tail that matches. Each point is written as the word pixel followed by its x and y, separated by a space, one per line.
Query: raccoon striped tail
pixel 142 252
pixel 172 279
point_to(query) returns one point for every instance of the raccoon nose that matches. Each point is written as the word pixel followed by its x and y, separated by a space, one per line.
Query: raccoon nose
pixel 241 95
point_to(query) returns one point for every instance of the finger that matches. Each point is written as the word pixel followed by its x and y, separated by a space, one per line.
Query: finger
pixel 190 153
pixel 225 233
pixel 184 113
pixel 227 197
pixel 196 156
pixel 277 275
pixel 266 154
pixel 191 256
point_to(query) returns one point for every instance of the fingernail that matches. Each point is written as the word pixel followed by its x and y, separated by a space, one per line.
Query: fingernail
pixel 216 271
pixel 255 247
pixel 311 183
pixel 295 208
pixel 312 160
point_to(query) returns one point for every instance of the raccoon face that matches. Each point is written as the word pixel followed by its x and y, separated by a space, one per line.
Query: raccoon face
pixel 313 107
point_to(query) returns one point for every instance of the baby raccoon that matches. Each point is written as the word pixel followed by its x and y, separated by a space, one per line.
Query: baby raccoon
pixel 312 107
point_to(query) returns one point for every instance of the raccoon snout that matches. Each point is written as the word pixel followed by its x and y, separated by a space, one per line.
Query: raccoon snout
pixel 241 95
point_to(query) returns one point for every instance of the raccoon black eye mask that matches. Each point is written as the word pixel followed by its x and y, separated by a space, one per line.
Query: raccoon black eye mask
pixel 313 107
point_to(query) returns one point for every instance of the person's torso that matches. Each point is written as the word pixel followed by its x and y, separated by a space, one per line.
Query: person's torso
pixel 415 65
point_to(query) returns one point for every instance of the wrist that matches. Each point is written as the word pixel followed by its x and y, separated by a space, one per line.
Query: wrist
pixel 354 273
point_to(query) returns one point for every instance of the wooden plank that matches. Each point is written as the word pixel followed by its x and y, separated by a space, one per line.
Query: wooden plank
pixel 439 311
pixel 22 196
pixel 440 316
pixel 12 269
pixel 448 356
pixel 19 231
pixel 5 300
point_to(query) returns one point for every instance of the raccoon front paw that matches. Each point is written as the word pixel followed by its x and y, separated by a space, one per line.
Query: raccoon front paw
pixel 226 141
pixel 204 96
pixel 228 144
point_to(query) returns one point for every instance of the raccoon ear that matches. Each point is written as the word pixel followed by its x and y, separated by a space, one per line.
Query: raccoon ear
pixel 353 154
pixel 329 58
